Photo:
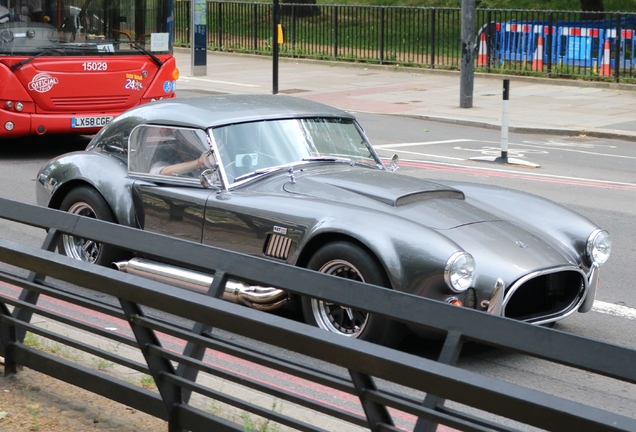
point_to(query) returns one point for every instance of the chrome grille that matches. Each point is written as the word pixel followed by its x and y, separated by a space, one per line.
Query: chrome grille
pixel 278 246
pixel 546 296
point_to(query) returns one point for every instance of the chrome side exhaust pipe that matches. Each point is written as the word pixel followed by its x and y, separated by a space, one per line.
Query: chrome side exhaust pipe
pixel 256 297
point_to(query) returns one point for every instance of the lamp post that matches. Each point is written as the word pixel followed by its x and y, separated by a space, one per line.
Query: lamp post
pixel 467 68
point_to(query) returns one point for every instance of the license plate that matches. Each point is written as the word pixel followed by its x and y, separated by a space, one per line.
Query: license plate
pixel 90 122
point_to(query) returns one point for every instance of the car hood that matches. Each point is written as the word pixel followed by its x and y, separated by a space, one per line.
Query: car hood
pixel 431 204
pixel 505 248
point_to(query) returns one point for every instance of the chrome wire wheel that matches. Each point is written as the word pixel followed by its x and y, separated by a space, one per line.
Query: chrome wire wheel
pixel 336 318
pixel 79 248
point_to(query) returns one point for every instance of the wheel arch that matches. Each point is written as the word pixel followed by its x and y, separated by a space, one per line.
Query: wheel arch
pixel 320 240
pixel 123 215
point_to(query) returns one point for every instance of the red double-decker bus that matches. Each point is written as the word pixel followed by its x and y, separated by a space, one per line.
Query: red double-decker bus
pixel 71 66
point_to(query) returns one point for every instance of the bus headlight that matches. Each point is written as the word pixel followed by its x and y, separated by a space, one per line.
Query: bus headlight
pixel 599 246
pixel 459 271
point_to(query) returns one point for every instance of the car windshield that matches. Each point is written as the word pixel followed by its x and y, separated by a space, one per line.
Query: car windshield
pixel 249 149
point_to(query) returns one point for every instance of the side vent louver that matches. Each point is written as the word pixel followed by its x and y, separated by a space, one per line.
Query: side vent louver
pixel 277 246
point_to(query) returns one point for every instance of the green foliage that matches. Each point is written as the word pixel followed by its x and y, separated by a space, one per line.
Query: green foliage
pixel 261 425
pixel 102 364
pixel 563 5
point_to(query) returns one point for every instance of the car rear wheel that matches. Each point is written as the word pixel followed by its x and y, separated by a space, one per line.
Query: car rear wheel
pixel 86 201
pixel 344 259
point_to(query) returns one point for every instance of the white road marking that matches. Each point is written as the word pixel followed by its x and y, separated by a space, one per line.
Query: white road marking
pixel 525 173
pixel 551 146
pixel 614 310
pixel 392 146
pixel 429 155
pixel 216 82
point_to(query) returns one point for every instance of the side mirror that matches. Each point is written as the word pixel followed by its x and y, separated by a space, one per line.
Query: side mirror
pixel 209 178
pixel 394 163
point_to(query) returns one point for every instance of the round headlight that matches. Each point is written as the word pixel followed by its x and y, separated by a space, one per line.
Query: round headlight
pixel 599 246
pixel 459 270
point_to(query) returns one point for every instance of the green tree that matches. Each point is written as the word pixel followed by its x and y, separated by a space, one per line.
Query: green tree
pixel 592 9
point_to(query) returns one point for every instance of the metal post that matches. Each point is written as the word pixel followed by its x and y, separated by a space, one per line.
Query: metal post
pixel 433 38
pixel 275 20
pixel 617 49
pixel 503 159
pixel 505 109
pixel 467 68
pixel 198 37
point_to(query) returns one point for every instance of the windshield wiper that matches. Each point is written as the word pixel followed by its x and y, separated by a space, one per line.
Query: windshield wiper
pixel 257 173
pixel 329 159
pixel 139 48
pixel 44 51
pixel 47 50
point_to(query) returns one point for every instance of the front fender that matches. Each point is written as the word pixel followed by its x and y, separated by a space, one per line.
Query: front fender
pixel 107 174
pixel 413 256
pixel 555 224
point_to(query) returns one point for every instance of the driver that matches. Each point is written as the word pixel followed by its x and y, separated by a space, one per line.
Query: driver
pixel 181 168
pixel 179 156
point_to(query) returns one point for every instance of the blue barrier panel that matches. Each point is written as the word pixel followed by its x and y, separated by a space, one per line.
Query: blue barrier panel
pixel 575 43
pixel 579 46
pixel 519 41
pixel 628 37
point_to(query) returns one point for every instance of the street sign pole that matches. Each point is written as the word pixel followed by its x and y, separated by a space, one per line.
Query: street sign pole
pixel 467 67
pixel 198 37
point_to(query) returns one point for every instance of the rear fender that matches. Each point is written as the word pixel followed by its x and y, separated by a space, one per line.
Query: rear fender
pixel 104 173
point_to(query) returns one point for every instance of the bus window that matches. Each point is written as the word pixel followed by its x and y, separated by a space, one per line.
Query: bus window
pixel 71 66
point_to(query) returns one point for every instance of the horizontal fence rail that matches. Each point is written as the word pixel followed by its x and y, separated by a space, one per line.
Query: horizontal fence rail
pixel 594 46
pixel 169 334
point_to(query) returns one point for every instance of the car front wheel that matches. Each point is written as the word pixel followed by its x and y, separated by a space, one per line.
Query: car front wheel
pixel 85 201
pixel 343 259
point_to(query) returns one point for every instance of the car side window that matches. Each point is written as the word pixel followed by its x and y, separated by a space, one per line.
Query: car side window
pixel 153 148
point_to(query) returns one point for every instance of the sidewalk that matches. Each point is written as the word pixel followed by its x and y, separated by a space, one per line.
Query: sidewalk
pixel 552 106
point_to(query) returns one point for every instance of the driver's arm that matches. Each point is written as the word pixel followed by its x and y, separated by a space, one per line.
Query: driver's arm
pixel 186 167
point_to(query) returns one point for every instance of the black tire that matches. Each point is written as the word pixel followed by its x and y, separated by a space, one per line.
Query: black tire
pixel 348 260
pixel 86 201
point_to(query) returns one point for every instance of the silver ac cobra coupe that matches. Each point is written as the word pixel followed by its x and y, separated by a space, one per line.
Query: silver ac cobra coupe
pixel 298 182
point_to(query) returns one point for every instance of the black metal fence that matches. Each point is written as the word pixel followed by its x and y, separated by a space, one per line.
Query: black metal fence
pixel 562 44
pixel 166 333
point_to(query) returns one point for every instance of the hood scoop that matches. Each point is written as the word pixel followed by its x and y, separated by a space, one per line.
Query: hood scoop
pixel 381 186
pixel 397 200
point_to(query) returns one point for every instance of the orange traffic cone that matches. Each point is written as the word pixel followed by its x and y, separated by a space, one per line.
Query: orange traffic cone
pixel 537 61
pixel 606 67
pixel 482 59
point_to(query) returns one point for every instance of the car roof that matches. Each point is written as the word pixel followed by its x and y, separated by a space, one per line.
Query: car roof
pixel 210 111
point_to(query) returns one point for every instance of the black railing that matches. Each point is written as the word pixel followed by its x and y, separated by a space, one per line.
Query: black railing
pixel 167 333
pixel 594 46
